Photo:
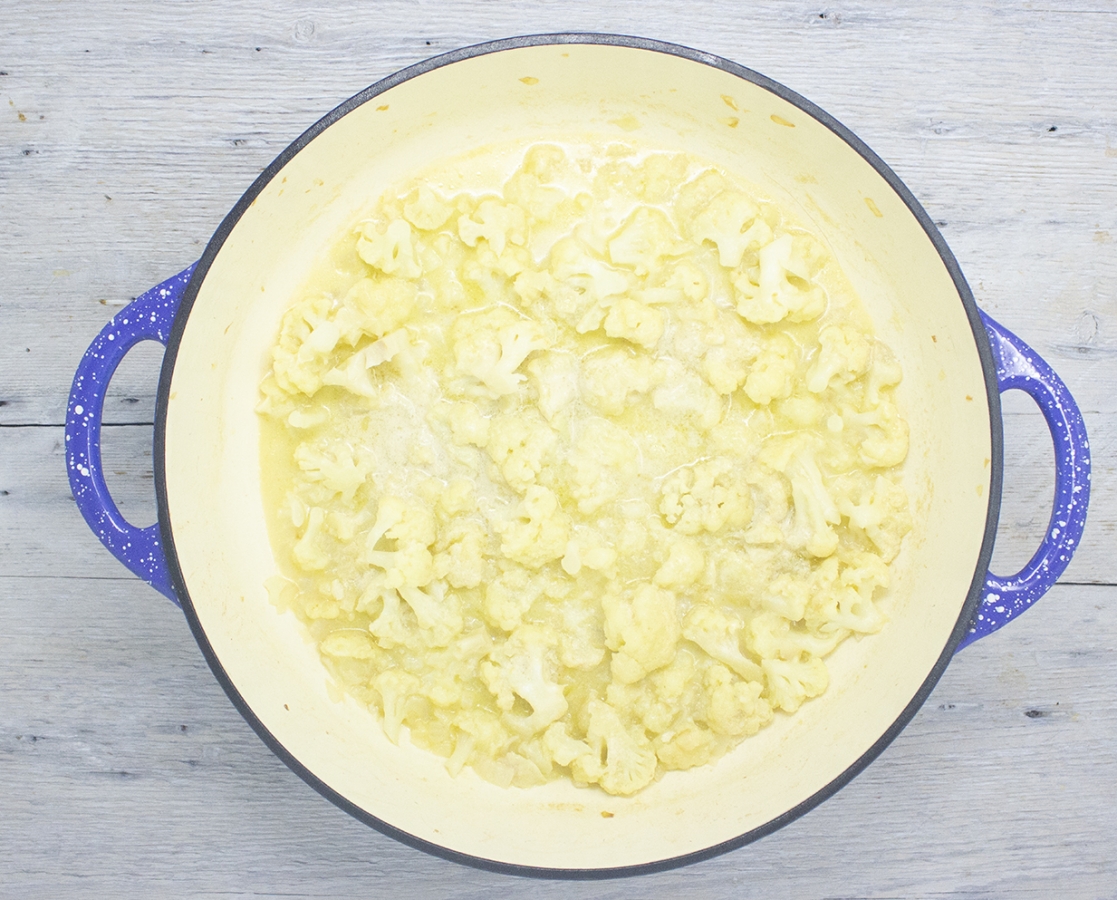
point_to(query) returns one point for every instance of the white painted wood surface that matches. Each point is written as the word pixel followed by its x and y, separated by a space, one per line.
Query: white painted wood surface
pixel 128 130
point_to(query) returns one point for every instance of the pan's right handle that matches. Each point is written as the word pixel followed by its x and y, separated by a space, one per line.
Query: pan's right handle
pixel 147 318
pixel 1019 367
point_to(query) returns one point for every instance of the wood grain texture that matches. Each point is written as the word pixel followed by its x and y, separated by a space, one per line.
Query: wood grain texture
pixel 127 131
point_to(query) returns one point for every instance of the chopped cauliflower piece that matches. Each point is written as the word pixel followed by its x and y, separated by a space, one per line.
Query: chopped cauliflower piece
pixel 684 564
pixel 683 393
pixel 519 445
pixel 771 375
pixel 556 381
pixel 494 358
pixel 845 355
pixel 612 379
pixel 777 287
pixel 632 320
pixel 735 707
pixel 629 758
pixel 733 222
pixel 707 496
pixel 508 598
pixel 642 631
pixel 644 241
pixel 717 634
pixel 789 682
pixel 882 513
pixel 815 510
pixel 426 210
pixel 392 250
pixel 520 667
pixel 539 531
pixel 498 223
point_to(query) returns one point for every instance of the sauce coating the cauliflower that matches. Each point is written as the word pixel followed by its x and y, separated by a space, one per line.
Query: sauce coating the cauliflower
pixel 585 477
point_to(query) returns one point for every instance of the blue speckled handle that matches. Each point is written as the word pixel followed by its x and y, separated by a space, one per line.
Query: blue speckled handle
pixel 147 318
pixel 1019 367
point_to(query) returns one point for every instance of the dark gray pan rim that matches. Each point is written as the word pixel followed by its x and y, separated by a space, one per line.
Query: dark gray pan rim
pixel 981 341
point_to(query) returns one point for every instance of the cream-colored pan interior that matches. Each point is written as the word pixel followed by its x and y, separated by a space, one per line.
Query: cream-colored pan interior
pixel 552 91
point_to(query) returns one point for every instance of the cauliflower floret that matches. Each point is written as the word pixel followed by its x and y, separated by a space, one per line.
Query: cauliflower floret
pixel 467 425
pixel 437 612
pixel 778 286
pixel 683 393
pixel 461 559
pixel 844 355
pixel 297 360
pixel 572 264
pixel 886 441
pixel 308 551
pixel 771 636
pixel 588 549
pixel 508 597
pixel 354 376
pixel 569 751
pixel 724 369
pixel 689 278
pixel 632 320
pixel 539 200
pixel 522 667
pixel 844 600
pixel 691 746
pixel 426 210
pixel 519 444
pixel 612 376
pixel 599 455
pixel 396 688
pixel 494 358
pixel 788 595
pixel 884 373
pixel 498 223
pixel 539 531
pixel 376 307
pixel 644 240
pixel 642 630
pixel 630 761
pixel 409 565
pixel 717 634
pixel 733 222
pixel 771 375
pixel 684 565
pixel 348 644
pixel 392 250
pixel 335 467
pixel 882 513
pixel 789 682
pixel 389 627
pixel 734 707
pixel 402 521
pixel 659 700
pixel 774 504
pixel 581 640
pixel 707 496
pixel 815 510
pixel 556 381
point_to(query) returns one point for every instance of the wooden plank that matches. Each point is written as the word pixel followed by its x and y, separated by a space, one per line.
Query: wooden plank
pixel 1031 213
pixel 124 139
pixel 127 772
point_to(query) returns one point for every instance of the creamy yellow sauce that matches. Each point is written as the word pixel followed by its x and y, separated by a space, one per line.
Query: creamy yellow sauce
pixel 582 474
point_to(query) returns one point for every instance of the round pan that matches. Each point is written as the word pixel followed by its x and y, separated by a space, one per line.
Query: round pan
pixel 212 550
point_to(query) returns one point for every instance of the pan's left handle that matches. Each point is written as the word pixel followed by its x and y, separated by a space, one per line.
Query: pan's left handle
pixel 147 318
pixel 1019 367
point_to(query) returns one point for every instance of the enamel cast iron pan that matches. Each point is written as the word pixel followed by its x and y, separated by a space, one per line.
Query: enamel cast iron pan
pixel 210 551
